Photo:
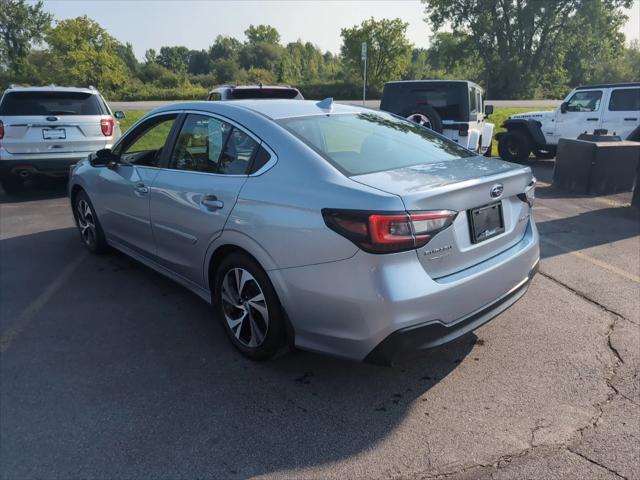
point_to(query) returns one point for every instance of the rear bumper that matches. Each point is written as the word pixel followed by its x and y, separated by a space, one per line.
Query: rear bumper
pixel 29 165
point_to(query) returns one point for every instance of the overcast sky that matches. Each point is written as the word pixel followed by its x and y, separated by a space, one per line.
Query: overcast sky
pixel 195 24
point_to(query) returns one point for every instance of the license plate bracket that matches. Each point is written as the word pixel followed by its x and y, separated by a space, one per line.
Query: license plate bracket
pixel 54 133
pixel 486 222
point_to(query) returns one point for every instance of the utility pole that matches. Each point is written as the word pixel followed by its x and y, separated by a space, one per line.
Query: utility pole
pixel 364 75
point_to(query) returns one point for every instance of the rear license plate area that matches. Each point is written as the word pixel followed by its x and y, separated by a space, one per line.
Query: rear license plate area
pixel 54 133
pixel 486 222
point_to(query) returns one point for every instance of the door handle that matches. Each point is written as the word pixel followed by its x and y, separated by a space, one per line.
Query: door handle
pixel 631 119
pixel 592 119
pixel 212 202
pixel 141 188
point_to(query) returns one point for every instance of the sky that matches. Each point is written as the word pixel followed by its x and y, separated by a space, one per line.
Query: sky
pixel 195 23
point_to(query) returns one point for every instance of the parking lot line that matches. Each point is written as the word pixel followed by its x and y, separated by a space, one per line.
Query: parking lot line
pixel 34 307
pixel 595 261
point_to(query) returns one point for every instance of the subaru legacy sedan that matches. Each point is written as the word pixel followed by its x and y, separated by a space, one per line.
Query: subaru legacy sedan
pixel 327 227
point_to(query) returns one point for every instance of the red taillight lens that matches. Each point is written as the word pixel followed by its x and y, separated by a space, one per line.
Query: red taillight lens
pixel 1 130
pixel 388 232
pixel 106 125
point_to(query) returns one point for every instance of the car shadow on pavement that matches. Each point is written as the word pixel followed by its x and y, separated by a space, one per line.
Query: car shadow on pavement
pixel 41 189
pixel 135 375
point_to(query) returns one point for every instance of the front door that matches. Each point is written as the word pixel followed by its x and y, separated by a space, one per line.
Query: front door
pixel 583 114
pixel 123 191
pixel 193 196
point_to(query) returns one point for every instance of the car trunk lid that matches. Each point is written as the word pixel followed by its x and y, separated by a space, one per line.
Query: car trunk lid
pixel 462 185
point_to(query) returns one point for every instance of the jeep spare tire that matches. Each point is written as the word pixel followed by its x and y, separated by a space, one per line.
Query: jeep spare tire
pixel 514 147
pixel 426 116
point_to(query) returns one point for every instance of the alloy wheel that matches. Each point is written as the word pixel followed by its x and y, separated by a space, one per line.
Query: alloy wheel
pixel 244 307
pixel 420 119
pixel 86 222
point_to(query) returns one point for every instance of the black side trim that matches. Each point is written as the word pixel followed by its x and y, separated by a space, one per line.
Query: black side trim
pixel 433 334
pixel 531 126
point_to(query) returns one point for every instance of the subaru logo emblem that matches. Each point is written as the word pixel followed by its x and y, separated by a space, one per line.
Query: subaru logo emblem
pixel 496 190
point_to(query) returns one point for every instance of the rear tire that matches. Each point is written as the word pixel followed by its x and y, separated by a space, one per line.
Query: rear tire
pixel 514 147
pixel 12 184
pixel 247 305
pixel 91 233
pixel 427 116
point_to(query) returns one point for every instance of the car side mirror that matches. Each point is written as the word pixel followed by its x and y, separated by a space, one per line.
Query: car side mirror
pixel 488 110
pixel 104 158
pixel 119 115
pixel 563 107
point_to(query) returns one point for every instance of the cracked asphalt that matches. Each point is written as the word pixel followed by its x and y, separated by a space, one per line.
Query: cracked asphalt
pixel 109 370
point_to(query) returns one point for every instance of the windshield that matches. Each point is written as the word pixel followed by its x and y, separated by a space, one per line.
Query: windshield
pixel 372 142
pixel 49 103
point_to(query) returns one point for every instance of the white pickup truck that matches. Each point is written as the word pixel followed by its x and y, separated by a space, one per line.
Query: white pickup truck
pixel 614 108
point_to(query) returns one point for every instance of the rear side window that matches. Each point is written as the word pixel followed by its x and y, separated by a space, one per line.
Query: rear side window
pixel 248 93
pixel 371 142
pixel 625 100
pixel 50 103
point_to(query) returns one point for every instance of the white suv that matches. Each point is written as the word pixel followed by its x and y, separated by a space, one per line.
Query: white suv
pixel 613 109
pixel 45 130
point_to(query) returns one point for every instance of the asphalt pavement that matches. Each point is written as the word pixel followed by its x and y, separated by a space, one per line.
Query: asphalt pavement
pixel 151 104
pixel 110 370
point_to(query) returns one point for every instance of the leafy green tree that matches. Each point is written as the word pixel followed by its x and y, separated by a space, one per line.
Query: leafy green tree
pixel 225 48
pixel 175 59
pixel 226 70
pixel 522 43
pixel 125 52
pixel 262 33
pixel 151 56
pixel 261 55
pixel 389 51
pixel 21 26
pixel 87 54
pixel 199 62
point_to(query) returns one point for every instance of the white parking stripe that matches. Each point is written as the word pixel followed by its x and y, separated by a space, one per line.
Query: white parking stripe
pixel 34 307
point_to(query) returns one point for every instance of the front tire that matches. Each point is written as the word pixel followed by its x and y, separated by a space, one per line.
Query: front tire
pixel 246 303
pixel 91 233
pixel 514 147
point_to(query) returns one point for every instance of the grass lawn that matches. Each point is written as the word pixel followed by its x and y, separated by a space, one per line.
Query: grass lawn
pixel 131 117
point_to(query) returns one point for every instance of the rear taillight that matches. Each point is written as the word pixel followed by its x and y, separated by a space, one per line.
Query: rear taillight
pixel 463 130
pixel 106 125
pixel 1 130
pixel 378 232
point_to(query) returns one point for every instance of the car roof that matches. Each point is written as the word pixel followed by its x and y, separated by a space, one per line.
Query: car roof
pixel 51 88
pixel 274 109
pixel 394 82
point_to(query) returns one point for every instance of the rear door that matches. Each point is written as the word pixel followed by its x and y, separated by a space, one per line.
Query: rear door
pixel 192 197
pixel 50 122
pixel 583 114
pixel 622 115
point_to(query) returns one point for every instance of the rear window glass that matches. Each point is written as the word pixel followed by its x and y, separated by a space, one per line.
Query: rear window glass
pixel 446 99
pixel 625 100
pixel 372 142
pixel 49 103
pixel 248 93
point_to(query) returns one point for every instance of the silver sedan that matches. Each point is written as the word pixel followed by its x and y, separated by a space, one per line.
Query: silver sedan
pixel 323 226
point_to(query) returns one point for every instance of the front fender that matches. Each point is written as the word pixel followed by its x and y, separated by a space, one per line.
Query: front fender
pixel 532 127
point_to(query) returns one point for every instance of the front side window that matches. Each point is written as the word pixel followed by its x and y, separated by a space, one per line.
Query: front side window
pixel 206 144
pixel 147 142
pixel 625 100
pixel 363 143
pixel 585 101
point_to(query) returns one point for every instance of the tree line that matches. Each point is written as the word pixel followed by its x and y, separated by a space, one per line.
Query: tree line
pixel 513 48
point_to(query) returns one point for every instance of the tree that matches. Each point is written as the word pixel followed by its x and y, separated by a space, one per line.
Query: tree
pixel 21 26
pixel 262 33
pixel 225 48
pixel 522 43
pixel 86 54
pixel 125 52
pixel 151 56
pixel 175 59
pixel 388 50
pixel 199 62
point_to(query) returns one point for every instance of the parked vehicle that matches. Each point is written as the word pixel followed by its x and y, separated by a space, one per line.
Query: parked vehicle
pixel 247 92
pixel 45 130
pixel 454 108
pixel 335 228
pixel 611 108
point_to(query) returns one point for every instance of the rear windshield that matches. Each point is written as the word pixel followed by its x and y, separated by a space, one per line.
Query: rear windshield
pixel 372 142
pixel 49 103
pixel 446 99
pixel 248 93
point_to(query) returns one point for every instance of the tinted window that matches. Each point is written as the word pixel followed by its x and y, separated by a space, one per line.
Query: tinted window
pixel 215 96
pixel 238 152
pixel 50 103
pixel 242 93
pixel 624 100
pixel 260 160
pixel 585 101
pixel 446 99
pixel 145 145
pixel 473 104
pixel 369 142
pixel 200 144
